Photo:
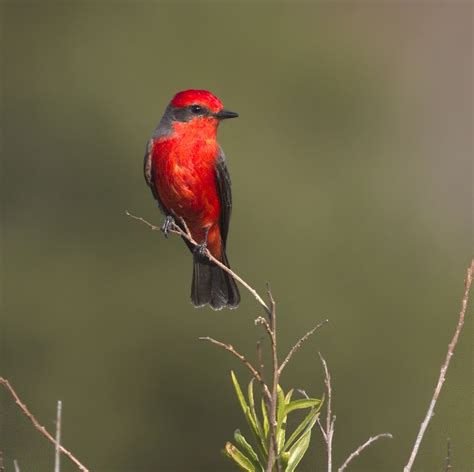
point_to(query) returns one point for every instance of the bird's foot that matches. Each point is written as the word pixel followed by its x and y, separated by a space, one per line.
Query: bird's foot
pixel 201 250
pixel 167 225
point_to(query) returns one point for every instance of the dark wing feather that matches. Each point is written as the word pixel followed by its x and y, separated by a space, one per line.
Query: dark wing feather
pixel 148 174
pixel 225 194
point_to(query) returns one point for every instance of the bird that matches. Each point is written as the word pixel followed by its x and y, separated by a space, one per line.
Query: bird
pixel 186 170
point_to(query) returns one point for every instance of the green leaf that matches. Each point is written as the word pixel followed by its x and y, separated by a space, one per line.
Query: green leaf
pixel 282 435
pixel 280 406
pixel 265 419
pixel 250 418
pixel 239 393
pixel 243 462
pixel 280 413
pixel 298 450
pixel 253 412
pixel 248 450
pixel 302 404
pixel 284 458
pixel 288 396
pixel 305 425
pixel 281 419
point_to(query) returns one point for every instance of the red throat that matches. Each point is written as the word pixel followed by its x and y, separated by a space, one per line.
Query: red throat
pixel 184 166
pixel 199 129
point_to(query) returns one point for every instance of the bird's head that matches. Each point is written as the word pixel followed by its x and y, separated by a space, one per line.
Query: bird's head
pixel 195 104
pixel 193 109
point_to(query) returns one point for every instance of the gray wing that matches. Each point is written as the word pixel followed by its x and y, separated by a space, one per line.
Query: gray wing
pixel 225 194
pixel 148 174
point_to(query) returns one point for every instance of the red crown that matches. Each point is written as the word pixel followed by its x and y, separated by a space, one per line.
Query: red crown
pixel 197 97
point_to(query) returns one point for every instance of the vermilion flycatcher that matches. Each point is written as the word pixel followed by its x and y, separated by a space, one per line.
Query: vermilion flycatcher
pixel 186 171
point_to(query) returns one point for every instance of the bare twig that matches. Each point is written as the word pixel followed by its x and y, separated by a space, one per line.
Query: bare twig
pixel 139 218
pixel 243 359
pixel 272 400
pixel 270 395
pixel 302 393
pixel 15 464
pixel 263 322
pixel 298 345
pixel 448 456
pixel 270 392
pixel 57 456
pixel 362 447
pixel 323 431
pixel 328 432
pixel 261 366
pixel 444 368
pixel 188 236
pixel 38 426
pixel 273 457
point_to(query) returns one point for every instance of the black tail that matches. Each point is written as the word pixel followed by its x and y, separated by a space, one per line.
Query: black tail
pixel 212 285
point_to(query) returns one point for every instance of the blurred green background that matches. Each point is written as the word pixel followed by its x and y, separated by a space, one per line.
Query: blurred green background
pixel 351 168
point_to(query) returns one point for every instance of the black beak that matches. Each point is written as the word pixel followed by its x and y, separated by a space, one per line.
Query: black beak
pixel 224 114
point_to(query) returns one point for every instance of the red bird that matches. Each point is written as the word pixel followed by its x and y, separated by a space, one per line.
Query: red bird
pixel 186 171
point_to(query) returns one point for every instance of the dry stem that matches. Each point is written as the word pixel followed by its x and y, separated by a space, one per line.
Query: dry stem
pixel 272 443
pixel 37 425
pixel 328 432
pixel 188 236
pixel 243 359
pixel 270 395
pixel 57 455
pixel 362 447
pixel 444 368
pixel 448 456
pixel 298 345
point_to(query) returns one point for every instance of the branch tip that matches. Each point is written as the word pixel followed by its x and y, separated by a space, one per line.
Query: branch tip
pixel 361 448
pixel 24 409
pixel 444 368
pixel 299 344
pixel 186 234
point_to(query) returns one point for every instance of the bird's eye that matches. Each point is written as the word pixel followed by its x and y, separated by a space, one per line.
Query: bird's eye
pixel 196 109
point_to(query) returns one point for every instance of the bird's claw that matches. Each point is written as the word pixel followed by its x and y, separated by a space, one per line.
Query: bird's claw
pixel 201 250
pixel 167 225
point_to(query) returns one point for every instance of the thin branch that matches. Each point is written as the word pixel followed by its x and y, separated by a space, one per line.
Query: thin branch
pixel 38 426
pixel 323 432
pixel 299 344
pixel 243 359
pixel 263 322
pixel 303 393
pixel 175 229
pixel 271 327
pixel 272 310
pixel 328 432
pixel 448 456
pixel 261 366
pixel 15 464
pixel 362 447
pixel 271 398
pixel 318 422
pixel 139 218
pixel 444 368
pixel 57 456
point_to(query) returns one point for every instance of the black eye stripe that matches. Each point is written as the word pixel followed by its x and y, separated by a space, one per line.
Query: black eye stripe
pixel 186 113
